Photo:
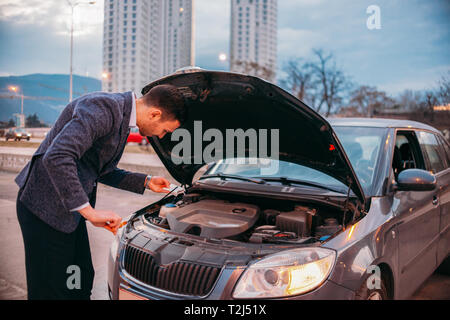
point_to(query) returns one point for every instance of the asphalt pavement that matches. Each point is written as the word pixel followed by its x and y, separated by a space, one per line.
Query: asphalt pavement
pixel 12 256
pixel 12 265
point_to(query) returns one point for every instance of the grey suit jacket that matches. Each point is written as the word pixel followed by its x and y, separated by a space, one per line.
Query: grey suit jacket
pixel 83 148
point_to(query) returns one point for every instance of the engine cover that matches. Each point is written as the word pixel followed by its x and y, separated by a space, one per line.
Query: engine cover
pixel 213 218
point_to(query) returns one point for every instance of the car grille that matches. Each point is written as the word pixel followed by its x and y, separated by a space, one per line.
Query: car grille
pixel 179 277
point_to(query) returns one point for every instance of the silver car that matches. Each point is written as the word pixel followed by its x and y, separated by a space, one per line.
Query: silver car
pixel 357 208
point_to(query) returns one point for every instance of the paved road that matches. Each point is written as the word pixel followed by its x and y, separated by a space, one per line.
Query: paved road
pixel 12 267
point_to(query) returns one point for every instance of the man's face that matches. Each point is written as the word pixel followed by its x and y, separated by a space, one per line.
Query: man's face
pixel 154 124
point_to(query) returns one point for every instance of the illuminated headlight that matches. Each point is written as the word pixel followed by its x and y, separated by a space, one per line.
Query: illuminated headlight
pixel 288 273
pixel 29 134
pixel 19 134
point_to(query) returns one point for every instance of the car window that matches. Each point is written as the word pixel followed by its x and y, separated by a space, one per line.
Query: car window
pixel 446 149
pixel 362 146
pixel 432 151
pixel 406 153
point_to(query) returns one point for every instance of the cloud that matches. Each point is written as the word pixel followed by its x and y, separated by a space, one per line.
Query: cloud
pixel 425 79
pixel 37 37
pixel 297 42
pixel 53 14
pixel 212 26
pixel 212 35
pixel 413 39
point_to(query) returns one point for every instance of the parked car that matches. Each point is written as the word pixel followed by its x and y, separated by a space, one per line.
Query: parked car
pixel 357 209
pixel 17 134
pixel 135 136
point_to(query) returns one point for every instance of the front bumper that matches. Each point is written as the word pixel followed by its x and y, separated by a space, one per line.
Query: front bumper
pixel 120 279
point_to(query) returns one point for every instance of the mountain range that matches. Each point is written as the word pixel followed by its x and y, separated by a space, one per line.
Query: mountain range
pixel 45 94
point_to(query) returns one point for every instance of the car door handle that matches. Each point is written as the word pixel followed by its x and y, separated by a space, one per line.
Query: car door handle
pixel 435 201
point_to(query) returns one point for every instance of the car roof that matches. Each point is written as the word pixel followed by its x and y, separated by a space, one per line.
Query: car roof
pixel 380 123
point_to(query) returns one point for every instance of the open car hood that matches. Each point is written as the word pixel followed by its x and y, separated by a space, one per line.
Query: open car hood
pixel 224 100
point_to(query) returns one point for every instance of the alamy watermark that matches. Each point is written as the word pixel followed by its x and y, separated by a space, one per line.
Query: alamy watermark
pixel 374 280
pixel 237 147
pixel 74 280
pixel 374 20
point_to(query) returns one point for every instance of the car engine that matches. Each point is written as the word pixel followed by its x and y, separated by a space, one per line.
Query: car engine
pixel 215 218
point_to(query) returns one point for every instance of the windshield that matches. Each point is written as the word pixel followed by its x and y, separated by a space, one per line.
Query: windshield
pixel 361 144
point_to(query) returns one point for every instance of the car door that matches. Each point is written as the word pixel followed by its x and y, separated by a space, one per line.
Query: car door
pixel 418 219
pixel 434 148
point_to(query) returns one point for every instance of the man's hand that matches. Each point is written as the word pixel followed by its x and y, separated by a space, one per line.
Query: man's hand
pixel 159 184
pixel 102 218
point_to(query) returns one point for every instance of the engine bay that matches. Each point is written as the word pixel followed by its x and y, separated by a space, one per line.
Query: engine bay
pixel 252 221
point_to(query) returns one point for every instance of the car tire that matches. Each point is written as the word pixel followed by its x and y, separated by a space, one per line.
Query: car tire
pixel 444 268
pixel 6 139
pixel 364 293
pixel 28 139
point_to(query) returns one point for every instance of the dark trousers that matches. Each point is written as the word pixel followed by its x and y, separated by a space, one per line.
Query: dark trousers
pixel 58 265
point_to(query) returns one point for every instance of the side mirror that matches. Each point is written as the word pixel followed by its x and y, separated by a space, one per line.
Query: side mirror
pixel 416 180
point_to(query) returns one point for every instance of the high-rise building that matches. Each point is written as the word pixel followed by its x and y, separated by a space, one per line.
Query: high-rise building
pixel 144 40
pixel 253 38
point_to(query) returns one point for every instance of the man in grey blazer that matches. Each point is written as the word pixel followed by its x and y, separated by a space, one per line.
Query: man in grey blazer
pixel 58 186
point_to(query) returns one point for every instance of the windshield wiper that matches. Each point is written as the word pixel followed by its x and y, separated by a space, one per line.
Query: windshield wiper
pixel 230 176
pixel 289 181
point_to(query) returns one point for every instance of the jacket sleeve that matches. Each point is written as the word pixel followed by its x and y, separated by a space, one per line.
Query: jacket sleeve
pixel 92 119
pixel 125 180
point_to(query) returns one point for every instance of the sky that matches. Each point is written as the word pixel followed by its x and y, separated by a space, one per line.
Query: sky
pixel 409 51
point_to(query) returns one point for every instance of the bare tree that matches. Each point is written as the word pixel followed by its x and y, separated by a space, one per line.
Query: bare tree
pixel 429 101
pixel 368 100
pixel 444 89
pixel 319 82
pixel 255 69
pixel 333 82
pixel 410 100
pixel 299 78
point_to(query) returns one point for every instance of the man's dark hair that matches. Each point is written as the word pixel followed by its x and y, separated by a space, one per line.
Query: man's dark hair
pixel 167 98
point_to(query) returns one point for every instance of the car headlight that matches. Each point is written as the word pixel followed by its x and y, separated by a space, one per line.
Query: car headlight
pixel 287 273
pixel 19 134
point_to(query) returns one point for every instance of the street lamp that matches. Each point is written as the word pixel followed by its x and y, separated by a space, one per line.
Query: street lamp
pixel 223 57
pixel 72 6
pixel 16 89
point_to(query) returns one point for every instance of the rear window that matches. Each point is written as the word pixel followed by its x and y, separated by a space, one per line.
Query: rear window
pixel 446 148
pixel 432 151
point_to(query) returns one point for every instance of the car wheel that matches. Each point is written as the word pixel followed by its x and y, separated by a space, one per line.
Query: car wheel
pixel 28 139
pixel 6 139
pixel 444 268
pixel 364 293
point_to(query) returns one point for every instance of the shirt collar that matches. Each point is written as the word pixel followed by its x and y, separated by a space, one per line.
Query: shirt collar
pixel 133 112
